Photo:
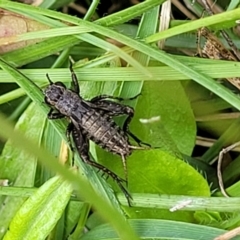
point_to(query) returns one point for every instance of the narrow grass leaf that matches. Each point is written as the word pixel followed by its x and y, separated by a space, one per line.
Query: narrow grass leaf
pixel 40 213
pixel 159 229
pixel 18 166
pixel 43 49
pixel 232 15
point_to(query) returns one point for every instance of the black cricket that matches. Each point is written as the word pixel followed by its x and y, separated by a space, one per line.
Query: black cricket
pixel 92 120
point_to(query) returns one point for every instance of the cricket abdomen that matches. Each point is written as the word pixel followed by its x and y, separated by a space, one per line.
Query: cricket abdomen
pixel 104 132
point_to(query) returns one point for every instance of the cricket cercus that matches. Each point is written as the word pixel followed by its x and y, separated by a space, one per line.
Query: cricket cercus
pixel 93 120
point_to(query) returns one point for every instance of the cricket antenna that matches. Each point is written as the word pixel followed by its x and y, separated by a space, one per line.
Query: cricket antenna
pixel 50 81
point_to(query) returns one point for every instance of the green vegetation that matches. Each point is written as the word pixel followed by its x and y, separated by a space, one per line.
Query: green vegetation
pixel 178 97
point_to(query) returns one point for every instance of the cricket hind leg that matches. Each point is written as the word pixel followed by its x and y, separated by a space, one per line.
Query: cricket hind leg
pixel 104 97
pixel 137 140
pixel 82 146
pixel 109 173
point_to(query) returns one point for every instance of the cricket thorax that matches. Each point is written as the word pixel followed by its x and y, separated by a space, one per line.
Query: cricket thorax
pixel 63 100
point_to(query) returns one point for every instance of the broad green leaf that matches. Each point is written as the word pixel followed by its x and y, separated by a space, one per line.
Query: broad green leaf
pixel 174 127
pixel 40 213
pixel 156 171
pixel 160 172
pixel 18 166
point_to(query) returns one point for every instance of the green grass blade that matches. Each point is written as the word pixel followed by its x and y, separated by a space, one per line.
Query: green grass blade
pixel 203 22
pixel 34 52
pixel 159 230
pixel 129 13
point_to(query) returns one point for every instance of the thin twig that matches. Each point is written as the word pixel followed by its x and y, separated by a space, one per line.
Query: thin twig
pixel 219 173
pixel 229 235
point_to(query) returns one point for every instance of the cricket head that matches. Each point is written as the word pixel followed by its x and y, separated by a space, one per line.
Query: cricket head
pixel 54 92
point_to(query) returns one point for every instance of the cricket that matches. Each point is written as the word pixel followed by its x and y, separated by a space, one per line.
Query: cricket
pixel 93 120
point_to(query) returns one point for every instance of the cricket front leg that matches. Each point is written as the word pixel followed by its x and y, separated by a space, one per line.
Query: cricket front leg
pixel 104 97
pixel 54 115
